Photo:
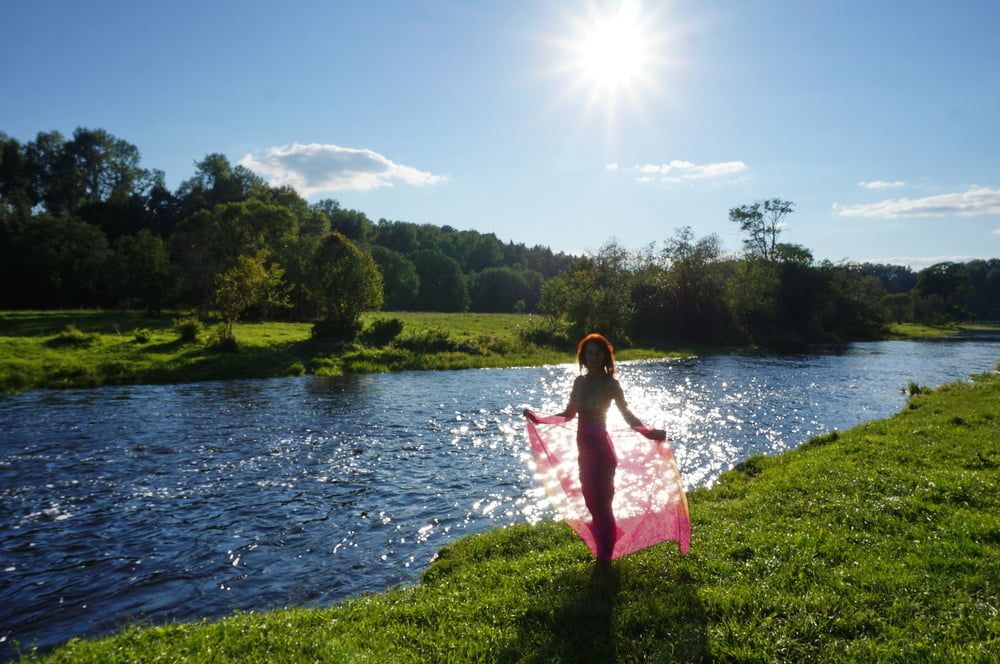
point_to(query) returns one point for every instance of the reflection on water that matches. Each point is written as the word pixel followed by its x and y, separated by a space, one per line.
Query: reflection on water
pixel 183 501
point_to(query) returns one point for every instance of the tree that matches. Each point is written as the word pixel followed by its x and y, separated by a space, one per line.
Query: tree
pixel 442 284
pixel 942 293
pixel 250 282
pixel 217 182
pixel 499 289
pixel 352 224
pixel 400 283
pixel 594 295
pixel 695 286
pixel 346 282
pixel 58 262
pixel 762 222
pixel 209 241
pixel 142 268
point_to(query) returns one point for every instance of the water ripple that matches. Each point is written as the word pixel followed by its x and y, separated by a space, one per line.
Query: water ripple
pixel 184 501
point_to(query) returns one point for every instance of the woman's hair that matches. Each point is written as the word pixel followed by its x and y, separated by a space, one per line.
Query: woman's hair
pixel 609 351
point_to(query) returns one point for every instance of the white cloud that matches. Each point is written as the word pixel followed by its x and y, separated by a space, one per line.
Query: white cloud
pixel 317 167
pixel 972 203
pixel 997 231
pixel 678 170
pixel 612 167
pixel 881 184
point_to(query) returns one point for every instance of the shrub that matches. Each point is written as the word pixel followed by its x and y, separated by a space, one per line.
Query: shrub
pixel 336 329
pixel 141 336
pixel 427 341
pixel 71 336
pixel 224 341
pixel 547 332
pixel 188 327
pixel 382 331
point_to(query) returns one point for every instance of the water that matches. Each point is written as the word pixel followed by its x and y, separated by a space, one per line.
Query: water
pixel 177 502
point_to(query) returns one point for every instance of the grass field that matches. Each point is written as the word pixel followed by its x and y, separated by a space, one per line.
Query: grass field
pixel 881 543
pixel 36 350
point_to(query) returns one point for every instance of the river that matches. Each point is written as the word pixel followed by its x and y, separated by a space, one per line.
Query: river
pixel 176 502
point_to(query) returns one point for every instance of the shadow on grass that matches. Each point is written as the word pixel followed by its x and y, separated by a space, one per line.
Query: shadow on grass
pixel 608 617
pixel 43 324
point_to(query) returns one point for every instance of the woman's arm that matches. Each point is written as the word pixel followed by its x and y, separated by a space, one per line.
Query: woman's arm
pixel 568 414
pixel 633 421
pixel 571 407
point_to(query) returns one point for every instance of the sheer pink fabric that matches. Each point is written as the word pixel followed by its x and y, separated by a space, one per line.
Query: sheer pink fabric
pixel 619 495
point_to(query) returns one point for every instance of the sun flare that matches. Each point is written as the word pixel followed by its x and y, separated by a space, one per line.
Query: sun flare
pixel 613 51
pixel 613 55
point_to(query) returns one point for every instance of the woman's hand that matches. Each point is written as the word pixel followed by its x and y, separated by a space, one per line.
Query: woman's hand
pixel 659 435
pixel 530 415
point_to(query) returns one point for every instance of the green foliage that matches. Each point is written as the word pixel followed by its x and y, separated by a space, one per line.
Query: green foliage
pixel 346 282
pixel 210 241
pixel 593 294
pixel 442 284
pixel 251 282
pixel 400 282
pixel 427 341
pixel 762 223
pixel 224 340
pixel 188 327
pixel 141 336
pixel 381 331
pixel 501 289
pixel 142 271
pixel 71 336
pixel 942 294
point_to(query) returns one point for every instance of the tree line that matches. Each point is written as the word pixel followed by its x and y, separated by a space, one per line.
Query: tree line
pixel 83 224
pixel 775 293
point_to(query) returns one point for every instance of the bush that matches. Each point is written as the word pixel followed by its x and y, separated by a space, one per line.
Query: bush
pixel 188 327
pixel 224 341
pixel 428 341
pixel 71 336
pixel 332 329
pixel 141 336
pixel 382 331
pixel 548 332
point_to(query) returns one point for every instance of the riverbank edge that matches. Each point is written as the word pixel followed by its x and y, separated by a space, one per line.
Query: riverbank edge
pixel 114 348
pixel 876 543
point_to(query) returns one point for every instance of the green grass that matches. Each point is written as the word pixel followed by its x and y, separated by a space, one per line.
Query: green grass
pixel 91 348
pixel 881 543
pixel 918 331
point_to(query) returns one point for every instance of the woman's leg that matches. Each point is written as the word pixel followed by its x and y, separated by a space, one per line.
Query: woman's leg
pixel 597 479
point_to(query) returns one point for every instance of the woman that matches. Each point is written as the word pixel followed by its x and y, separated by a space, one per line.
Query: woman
pixel 591 398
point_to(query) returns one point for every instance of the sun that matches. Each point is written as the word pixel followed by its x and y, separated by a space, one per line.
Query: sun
pixel 612 55
pixel 613 51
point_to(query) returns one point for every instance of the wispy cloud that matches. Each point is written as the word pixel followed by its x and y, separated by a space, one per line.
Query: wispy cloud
pixel 881 184
pixel 996 231
pixel 681 171
pixel 317 167
pixel 920 262
pixel 975 202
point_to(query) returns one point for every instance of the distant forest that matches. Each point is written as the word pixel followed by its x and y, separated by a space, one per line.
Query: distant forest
pixel 82 224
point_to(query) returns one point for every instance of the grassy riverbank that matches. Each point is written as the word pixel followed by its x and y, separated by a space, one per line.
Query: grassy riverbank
pixel 881 543
pixel 92 348
pixel 36 350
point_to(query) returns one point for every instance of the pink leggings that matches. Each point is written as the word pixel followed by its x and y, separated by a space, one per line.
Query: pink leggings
pixel 597 478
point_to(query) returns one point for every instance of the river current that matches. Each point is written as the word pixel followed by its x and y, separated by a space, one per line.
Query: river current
pixel 177 502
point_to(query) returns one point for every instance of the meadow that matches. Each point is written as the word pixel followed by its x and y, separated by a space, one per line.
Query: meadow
pixel 880 543
pixel 88 348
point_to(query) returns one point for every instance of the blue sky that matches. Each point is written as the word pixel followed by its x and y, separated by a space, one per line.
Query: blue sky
pixel 881 121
